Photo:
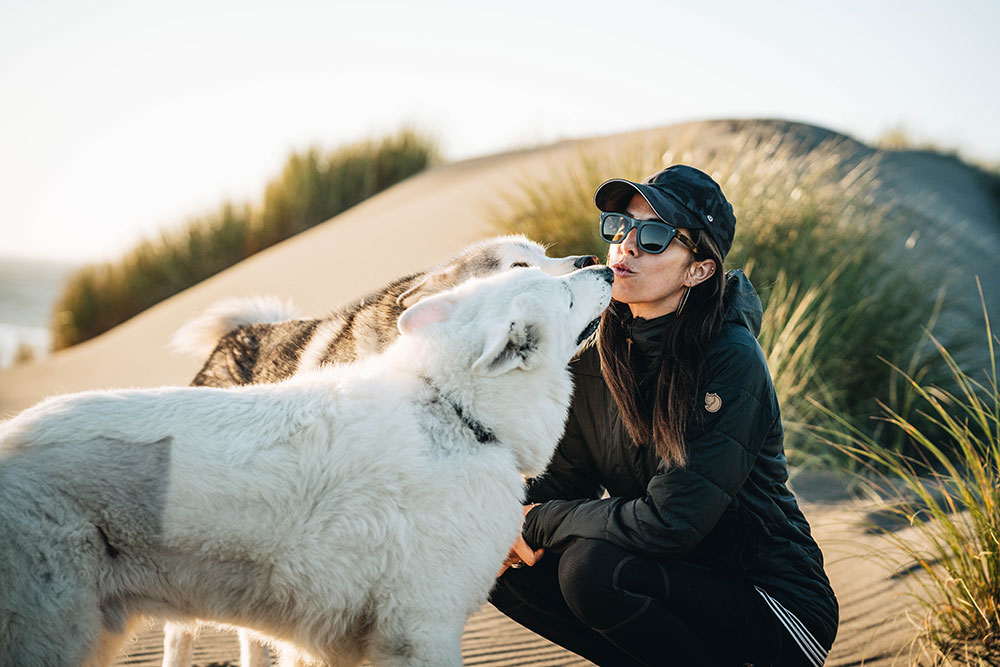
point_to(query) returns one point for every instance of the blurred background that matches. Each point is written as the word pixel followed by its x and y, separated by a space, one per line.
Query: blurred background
pixel 126 124
pixel 124 119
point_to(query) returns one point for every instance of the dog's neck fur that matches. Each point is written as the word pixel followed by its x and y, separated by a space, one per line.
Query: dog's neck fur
pixel 483 434
pixel 471 405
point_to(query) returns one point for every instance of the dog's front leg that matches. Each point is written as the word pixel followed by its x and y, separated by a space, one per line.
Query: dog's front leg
pixel 252 652
pixel 178 645
pixel 425 646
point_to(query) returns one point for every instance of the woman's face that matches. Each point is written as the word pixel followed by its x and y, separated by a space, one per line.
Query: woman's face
pixel 652 285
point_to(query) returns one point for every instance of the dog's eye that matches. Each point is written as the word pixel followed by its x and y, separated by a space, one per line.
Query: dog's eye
pixel 519 265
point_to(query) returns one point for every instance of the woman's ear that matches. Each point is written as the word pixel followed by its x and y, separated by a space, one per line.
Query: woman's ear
pixel 699 272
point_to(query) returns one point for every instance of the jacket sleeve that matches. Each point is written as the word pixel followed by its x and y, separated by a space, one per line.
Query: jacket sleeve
pixel 681 504
pixel 570 474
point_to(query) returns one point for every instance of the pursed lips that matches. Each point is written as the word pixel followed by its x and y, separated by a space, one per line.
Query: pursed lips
pixel 622 270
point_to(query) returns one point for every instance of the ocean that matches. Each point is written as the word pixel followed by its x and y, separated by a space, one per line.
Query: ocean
pixel 28 291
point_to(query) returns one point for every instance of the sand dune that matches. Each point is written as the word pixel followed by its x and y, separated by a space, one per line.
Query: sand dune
pixel 429 217
pixel 411 226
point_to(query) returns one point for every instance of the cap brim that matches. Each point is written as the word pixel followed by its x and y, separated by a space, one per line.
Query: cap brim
pixel 615 194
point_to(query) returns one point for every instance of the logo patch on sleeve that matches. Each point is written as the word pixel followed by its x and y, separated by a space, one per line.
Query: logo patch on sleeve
pixel 712 402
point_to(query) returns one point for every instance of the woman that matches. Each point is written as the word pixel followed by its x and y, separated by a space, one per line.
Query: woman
pixel 698 553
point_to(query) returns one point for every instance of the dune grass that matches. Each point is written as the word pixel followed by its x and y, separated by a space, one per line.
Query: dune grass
pixel 948 491
pixel 824 253
pixel 313 187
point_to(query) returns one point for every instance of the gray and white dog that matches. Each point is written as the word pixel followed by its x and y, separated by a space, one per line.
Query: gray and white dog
pixel 261 339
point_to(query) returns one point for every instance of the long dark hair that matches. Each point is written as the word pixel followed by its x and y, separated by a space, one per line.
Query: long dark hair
pixel 686 340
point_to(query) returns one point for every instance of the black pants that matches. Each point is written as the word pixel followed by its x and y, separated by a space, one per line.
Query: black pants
pixel 616 608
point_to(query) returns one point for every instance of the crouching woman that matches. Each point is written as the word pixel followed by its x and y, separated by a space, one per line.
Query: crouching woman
pixel 698 553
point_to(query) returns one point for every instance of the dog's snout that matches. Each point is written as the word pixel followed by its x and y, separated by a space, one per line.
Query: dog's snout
pixel 585 260
pixel 608 274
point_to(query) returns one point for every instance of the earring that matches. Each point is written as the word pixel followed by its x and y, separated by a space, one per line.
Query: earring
pixel 684 300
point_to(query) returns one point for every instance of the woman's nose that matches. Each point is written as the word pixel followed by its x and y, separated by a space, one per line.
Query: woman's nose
pixel 630 244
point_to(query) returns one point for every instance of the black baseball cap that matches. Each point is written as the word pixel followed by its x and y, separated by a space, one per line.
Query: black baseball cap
pixel 681 195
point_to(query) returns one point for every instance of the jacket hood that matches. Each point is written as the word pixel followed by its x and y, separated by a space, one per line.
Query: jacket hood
pixel 742 306
pixel 742 303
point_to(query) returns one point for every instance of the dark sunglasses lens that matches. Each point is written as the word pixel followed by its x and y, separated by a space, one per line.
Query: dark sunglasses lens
pixel 655 238
pixel 614 228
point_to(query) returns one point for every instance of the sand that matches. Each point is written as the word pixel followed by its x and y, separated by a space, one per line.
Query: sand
pixel 875 629
pixel 411 226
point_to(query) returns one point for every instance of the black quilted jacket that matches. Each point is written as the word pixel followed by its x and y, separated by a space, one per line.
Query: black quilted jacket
pixel 728 508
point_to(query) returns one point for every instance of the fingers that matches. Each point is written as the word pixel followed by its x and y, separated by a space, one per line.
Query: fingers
pixel 523 551
pixel 512 559
pixel 516 561
pixel 520 553
pixel 526 554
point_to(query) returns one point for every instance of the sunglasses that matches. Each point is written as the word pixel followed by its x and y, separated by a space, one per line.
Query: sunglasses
pixel 653 236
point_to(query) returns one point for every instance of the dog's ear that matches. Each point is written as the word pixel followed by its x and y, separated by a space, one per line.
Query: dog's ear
pixel 432 283
pixel 510 348
pixel 429 311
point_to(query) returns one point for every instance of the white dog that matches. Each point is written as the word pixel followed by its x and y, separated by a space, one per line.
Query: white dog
pixel 358 511
pixel 255 340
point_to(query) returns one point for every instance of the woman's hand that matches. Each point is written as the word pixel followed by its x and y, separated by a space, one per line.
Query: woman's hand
pixel 520 553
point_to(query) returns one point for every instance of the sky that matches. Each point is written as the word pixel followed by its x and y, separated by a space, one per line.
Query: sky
pixel 119 119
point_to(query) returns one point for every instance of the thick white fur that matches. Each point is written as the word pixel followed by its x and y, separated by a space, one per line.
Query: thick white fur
pixel 352 512
pixel 200 336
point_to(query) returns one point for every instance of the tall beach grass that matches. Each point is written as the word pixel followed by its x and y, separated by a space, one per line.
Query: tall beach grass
pixel 948 491
pixel 826 254
pixel 313 186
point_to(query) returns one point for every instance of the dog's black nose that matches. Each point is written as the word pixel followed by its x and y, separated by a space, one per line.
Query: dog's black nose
pixel 608 275
pixel 585 260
